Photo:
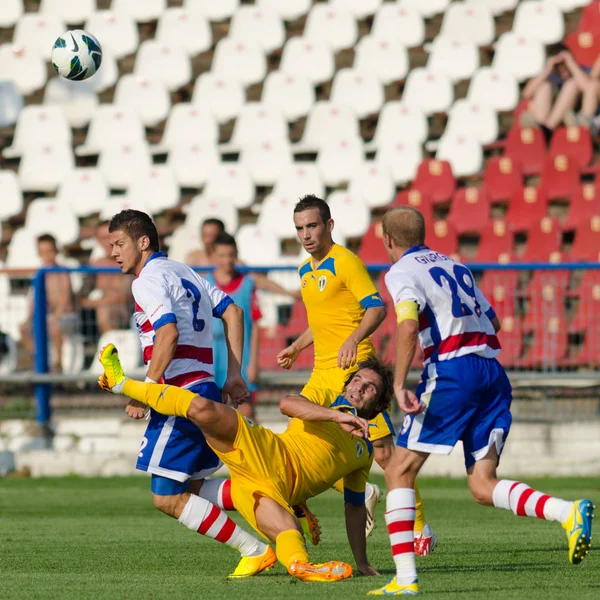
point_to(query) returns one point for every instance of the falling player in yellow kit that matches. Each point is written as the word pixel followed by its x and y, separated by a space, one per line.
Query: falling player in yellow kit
pixel 271 472
pixel 343 308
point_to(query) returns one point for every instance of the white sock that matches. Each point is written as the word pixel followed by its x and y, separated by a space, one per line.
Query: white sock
pixel 217 491
pixel 118 388
pixel 400 520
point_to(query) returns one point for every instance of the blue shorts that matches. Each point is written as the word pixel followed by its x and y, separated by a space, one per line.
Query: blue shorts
pixel 175 449
pixel 468 399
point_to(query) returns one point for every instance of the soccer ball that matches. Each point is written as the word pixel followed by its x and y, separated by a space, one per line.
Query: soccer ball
pixel 76 55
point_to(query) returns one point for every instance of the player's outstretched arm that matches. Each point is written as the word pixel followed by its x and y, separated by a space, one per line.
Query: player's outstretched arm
pixel 371 320
pixel 288 356
pixel 356 521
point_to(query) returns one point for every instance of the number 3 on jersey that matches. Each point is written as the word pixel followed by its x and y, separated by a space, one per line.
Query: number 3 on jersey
pixel 463 279
pixel 193 293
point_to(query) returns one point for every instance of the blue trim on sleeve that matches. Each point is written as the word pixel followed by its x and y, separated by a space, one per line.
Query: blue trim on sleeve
pixel 304 269
pixel 355 498
pixel 372 301
pixel 388 421
pixel 164 320
pixel 220 308
pixel 490 313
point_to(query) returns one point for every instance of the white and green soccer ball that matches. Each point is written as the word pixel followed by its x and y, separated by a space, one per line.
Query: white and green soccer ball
pixel 76 55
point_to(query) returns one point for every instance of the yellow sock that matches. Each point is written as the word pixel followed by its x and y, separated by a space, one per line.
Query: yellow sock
pixel 165 399
pixel 338 486
pixel 420 513
pixel 290 546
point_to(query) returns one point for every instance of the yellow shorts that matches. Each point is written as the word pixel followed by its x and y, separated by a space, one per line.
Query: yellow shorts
pixel 259 466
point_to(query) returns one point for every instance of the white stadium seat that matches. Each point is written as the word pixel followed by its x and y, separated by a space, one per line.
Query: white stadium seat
pixel 542 21
pixel 498 90
pixel 428 8
pixel 360 9
pixel 276 213
pixel 454 58
pixel 12 199
pixel 145 96
pixel 22 253
pixel 192 162
pixel 116 32
pixel 181 241
pixel 399 122
pixel 338 159
pixel 401 23
pixel 43 169
pixel 290 10
pixel 469 21
pixel 11 12
pixel 518 55
pixel 184 27
pixel 108 74
pixel 77 99
pixel 473 118
pixel 402 158
pixel 223 96
pixel 121 165
pixel 84 191
pixel 48 215
pixel 69 12
pixel 130 351
pixel 157 188
pixel 497 7
pixel 188 124
pixel 327 121
pixel 11 103
pixel 333 24
pixel 462 151
pixel 360 90
pixel 350 213
pixel 37 33
pixel 373 182
pixel 260 25
pixel 201 208
pixel 240 60
pixel 569 5
pixel 299 179
pixel 292 95
pixel 386 58
pixel 214 11
pixel 265 160
pixel 258 123
pixel 118 202
pixel 312 58
pixel 141 11
pixel 257 246
pixel 166 62
pixel 230 180
pixel 24 68
pixel 432 92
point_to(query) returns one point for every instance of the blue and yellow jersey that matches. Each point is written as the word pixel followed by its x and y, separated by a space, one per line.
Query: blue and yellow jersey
pixel 336 293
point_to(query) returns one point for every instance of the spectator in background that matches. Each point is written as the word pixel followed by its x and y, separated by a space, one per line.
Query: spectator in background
pixel 61 318
pixel 241 289
pixel 209 230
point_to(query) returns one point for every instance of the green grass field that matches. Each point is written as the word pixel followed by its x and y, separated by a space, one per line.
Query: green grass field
pixel 102 538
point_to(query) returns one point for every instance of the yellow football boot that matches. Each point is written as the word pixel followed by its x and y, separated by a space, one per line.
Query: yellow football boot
pixel 329 571
pixel 391 588
pixel 579 530
pixel 249 566
pixel 113 375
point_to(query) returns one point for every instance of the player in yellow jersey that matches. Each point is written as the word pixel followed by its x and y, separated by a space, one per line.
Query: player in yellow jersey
pixel 271 472
pixel 343 308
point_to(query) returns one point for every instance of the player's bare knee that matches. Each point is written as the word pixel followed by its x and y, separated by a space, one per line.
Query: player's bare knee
pixel 170 505
pixel 482 488
pixel 200 410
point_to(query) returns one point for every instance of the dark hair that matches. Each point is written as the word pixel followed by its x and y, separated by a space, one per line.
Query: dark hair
pixel 386 373
pixel 554 49
pixel 135 224
pixel 216 222
pixel 311 201
pixel 224 239
pixel 47 237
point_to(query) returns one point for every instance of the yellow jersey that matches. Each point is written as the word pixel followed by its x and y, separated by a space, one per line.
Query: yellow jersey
pixel 336 293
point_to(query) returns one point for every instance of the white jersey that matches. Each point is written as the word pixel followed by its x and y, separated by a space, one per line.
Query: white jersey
pixel 454 316
pixel 167 291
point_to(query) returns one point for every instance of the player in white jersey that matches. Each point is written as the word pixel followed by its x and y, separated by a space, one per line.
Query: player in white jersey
pixel 464 394
pixel 174 310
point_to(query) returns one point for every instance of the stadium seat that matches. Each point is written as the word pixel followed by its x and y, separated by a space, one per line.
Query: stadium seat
pixel 265 160
pixel 519 55
pixel 147 97
pixel 469 210
pixel 588 305
pixel 214 11
pixel 120 166
pixel 386 58
pixel 360 9
pixel 540 20
pixel 371 250
pixel 586 245
pixel 432 92
pixel 311 58
pixel 585 203
pixel 457 59
pixel 399 122
pixel 327 121
pixel 182 240
pixel 500 289
pixel 187 28
pixel 299 179
pixel 37 126
pixel 292 95
pixel 473 20
pixel 463 151
pixel 404 24
pixel 584 45
pixel 527 206
pixel 374 183
pixel 12 11
pixel 350 213
pixel 111 125
pixel 333 24
pixel 589 353
pixel 192 162
pixel 77 99
pixel 419 200
pixel 48 215
pixel 257 246
pixel 25 69
pixel 338 159
pixel 243 61
pixel 502 178
pixel 402 158
pixel 128 343
pixel 141 11
pixel 11 104
pixel 84 191
pixel 107 76
pixel 258 123
pixel 12 199
pixel 203 207
pixel 187 124
pixel 117 32
pixel 428 8
pixel 442 238
pixel 167 63
pixel 435 178
pixel 560 176
pixel 549 345
pixel 495 244
pixel 557 279
pixel 527 147
pixel 474 119
pixel 157 188
pixel 42 169
pixel 547 304
pixel 497 7
pixel 230 180
pixel 496 89
pixel 69 12
pixel 544 237
pixel 276 215
pixel 258 25
pixel 37 33
pixel 116 203
pixel 22 251
pixel 576 142
pixel 511 340
pixel 361 91
pixel 223 96
pixel 590 16
pixel 298 322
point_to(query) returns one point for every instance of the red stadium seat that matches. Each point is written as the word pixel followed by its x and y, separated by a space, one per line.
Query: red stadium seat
pixel 549 345
pixel 272 341
pixel 527 146
pixel 544 238
pixel 585 44
pixel 371 249
pixel 503 178
pixel 590 17
pixel 469 210
pixel 587 240
pixel 298 321
pixel 511 340
pixel 495 242
pixel 527 206
pixel 560 176
pixel 589 355
pixel 588 305
pixel 500 289
pixel 435 178
pixel 442 238
pixel 550 303
pixel 585 203
pixel 419 200
pixel 575 142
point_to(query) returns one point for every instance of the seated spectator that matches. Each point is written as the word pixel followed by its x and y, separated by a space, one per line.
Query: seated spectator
pixel 61 318
pixel 209 230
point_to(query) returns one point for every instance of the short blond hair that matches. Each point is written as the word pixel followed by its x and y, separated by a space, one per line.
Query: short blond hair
pixel 405 225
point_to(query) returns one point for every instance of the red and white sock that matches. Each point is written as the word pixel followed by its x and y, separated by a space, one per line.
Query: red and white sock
pixel 217 491
pixel 527 502
pixel 400 520
pixel 209 520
